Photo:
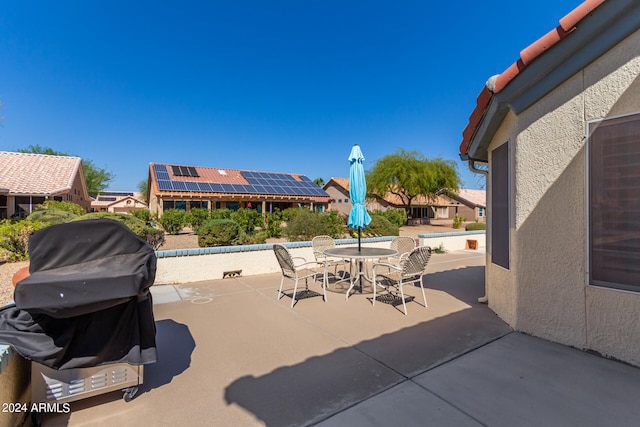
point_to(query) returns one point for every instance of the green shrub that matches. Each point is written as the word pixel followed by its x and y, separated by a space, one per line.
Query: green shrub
pixel 173 220
pixel 379 226
pixel 220 214
pixel 476 226
pixel 458 220
pixel 154 237
pixel 248 219
pixel 219 232
pixel 397 217
pixel 52 216
pixel 273 224
pixel 256 238
pixel 334 223
pixel 62 206
pixel 290 214
pixel 196 218
pixel 14 237
pixel 143 215
pixel 305 225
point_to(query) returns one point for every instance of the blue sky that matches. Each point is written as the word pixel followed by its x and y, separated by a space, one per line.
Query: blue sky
pixel 282 86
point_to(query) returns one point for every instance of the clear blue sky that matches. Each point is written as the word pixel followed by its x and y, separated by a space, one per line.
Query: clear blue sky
pixel 283 86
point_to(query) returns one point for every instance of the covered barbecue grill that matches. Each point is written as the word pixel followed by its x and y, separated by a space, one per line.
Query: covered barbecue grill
pixel 84 316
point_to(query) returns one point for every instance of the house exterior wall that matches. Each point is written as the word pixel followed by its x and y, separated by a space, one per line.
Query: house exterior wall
pixel 545 292
pixel 340 199
pixel 77 194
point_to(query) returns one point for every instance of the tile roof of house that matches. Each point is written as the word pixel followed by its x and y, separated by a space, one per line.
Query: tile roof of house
pixel 566 26
pixel 474 197
pixel 342 182
pixel 394 199
pixel 37 174
pixel 233 182
pixel 110 198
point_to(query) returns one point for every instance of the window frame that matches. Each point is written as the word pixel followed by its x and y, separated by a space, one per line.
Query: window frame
pixel 504 253
pixel 591 129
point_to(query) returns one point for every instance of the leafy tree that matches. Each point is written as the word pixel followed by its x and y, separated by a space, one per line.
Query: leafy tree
pixel 408 174
pixel 96 178
pixel 319 182
pixel 143 187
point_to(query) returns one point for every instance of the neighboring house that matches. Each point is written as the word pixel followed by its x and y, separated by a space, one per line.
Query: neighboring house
pixel 469 204
pixel 560 131
pixel 189 187
pixel 27 180
pixel 117 202
pixel 338 191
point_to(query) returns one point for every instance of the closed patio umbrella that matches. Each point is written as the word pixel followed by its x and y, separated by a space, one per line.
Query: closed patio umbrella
pixel 358 217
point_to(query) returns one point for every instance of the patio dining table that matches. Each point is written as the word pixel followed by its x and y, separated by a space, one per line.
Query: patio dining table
pixel 358 256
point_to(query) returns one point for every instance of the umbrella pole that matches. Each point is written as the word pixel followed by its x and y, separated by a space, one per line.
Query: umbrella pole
pixel 360 262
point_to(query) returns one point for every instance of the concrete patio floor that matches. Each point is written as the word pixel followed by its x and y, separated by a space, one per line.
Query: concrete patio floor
pixel 231 354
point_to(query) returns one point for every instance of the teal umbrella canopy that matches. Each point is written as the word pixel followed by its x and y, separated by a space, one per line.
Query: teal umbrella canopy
pixel 358 217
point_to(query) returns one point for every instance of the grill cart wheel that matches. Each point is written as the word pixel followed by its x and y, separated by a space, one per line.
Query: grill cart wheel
pixel 129 393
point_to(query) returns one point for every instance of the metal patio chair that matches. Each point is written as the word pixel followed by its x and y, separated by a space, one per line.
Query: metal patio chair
pixel 321 243
pixel 410 270
pixel 290 270
pixel 404 245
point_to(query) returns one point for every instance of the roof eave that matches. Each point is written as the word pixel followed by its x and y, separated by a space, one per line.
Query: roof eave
pixel 602 29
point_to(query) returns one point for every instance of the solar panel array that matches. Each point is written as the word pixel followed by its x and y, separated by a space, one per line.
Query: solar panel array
pixel 259 183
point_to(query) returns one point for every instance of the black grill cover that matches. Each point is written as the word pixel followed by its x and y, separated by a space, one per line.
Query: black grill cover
pixel 87 301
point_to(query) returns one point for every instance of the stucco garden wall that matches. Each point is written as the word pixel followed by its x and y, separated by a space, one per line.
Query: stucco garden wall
pixel 546 291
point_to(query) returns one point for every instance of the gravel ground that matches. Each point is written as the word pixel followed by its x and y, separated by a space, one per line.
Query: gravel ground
pixel 185 241
pixel 6 273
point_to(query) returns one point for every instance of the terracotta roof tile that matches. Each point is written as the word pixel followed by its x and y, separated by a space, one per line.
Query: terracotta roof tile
pixel 566 26
pixel 42 174
pixel 475 197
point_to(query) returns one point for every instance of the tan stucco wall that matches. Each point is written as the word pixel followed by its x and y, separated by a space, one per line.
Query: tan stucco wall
pixel 545 292
pixel 336 194
pixel 500 282
pixel 77 194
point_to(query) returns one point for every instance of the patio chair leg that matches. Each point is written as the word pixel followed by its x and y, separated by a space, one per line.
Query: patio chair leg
pixel 295 289
pixel 373 302
pixel 423 295
pixel 280 290
pixel 402 294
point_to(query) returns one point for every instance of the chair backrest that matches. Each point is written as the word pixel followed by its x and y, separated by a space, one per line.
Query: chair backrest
pixel 403 244
pixel 417 261
pixel 285 260
pixel 320 243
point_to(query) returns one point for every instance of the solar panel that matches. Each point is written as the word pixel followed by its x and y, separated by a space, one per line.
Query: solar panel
pixel 184 171
pixel 259 183
pixel 164 185
pixel 179 185
pixel 204 186
pixel 192 186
